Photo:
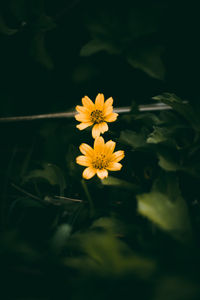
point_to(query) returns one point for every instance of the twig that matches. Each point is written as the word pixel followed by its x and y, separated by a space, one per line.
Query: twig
pixel 28 194
pixel 48 200
pixel 68 199
pixel 71 114
pixel 38 117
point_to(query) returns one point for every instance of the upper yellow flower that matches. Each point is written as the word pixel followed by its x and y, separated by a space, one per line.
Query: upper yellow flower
pixel 97 113
pixel 100 159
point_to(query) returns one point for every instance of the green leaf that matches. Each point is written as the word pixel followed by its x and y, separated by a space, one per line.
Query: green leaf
pixel 60 237
pixel 148 119
pixel 113 181
pixel 109 225
pixel 24 203
pixel 51 173
pixel 148 60
pixel 95 46
pixel 4 29
pixel 168 164
pixel 39 52
pixel 107 255
pixel 176 134
pixel 165 207
pixel 133 139
pixel 159 135
pixel 182 107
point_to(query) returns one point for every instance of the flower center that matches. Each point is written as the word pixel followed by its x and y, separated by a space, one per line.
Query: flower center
pixel 97 116
pixel 100 162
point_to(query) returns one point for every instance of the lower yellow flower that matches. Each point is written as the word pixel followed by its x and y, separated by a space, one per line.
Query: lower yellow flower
pixel 97 114
pixel 100 159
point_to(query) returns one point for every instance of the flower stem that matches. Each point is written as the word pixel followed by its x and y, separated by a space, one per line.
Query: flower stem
pixel 87 193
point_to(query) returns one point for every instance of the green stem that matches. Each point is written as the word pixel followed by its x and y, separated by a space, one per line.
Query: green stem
pixel 91 204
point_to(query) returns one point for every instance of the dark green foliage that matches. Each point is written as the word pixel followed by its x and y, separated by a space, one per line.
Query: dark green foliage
pixel 135 234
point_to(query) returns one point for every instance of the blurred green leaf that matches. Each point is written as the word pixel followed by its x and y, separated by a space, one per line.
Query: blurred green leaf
pixel 168 164
pixel 25 203
pixel 165 207
pixel 149 119
pixel 183 108
pixel 149 61
pixel 95 46
pixel 60 237
pixel 113 181
pixel 133 139
pixel 4 29
pixel 52 173
pixel 168 132
pixel 107 255
pixel 109 225
pixel 159 135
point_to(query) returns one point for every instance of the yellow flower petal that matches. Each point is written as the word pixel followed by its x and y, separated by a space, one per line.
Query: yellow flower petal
pixel 97 114
pixel 117 156
pixel 114 166
pixel 89 173
pixel 86 150
pixel 111 117
pixel 108 102
pixel 84 125
pixel 88 103
pixel 99 159
pixel 109 148
pixel 107 111
pixel 96 131
pixel 83 118
pixel 83 160
pixel 102 173
pixel 99 102
pixel 82 109
pixel 99 144
pixel 103 127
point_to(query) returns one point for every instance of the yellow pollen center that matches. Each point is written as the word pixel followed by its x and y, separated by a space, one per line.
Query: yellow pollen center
pixel 100 162
pixel 97 116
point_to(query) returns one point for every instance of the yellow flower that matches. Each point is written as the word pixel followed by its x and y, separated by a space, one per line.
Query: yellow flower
pixel 97 114
pixel 100 159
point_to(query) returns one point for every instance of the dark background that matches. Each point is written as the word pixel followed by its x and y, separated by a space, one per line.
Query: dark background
pixel 52 53
pixel 42 70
